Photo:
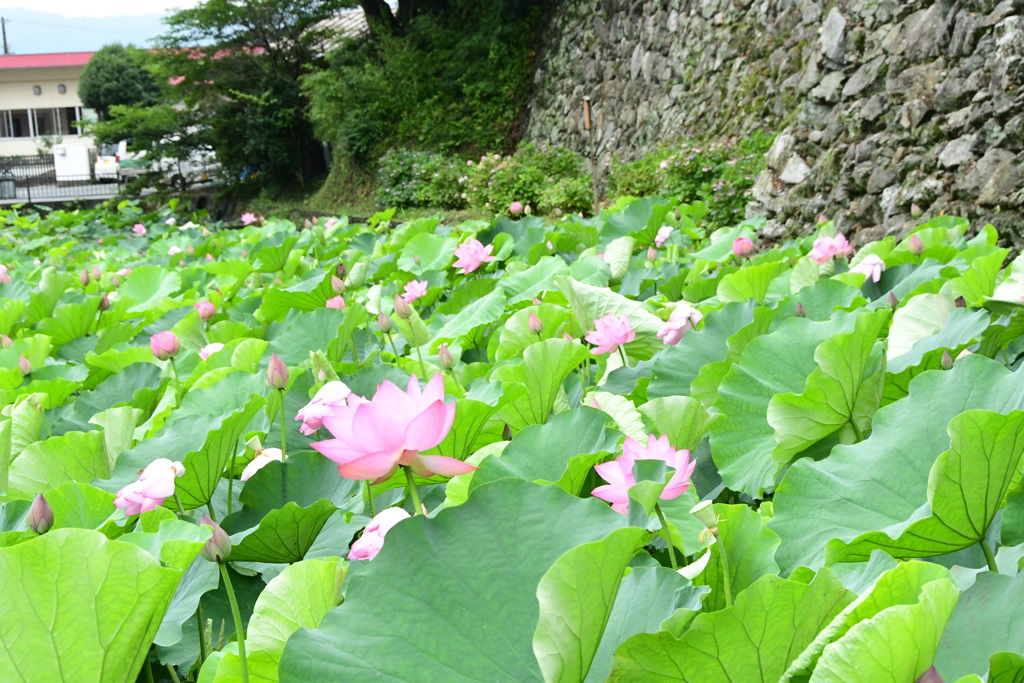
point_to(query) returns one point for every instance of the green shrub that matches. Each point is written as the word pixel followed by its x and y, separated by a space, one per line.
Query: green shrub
pixel 426 179
pixel 549 179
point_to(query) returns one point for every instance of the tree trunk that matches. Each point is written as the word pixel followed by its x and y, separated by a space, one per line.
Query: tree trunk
pixel 379 16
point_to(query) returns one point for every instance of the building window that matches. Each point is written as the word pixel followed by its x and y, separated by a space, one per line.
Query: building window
pixel 62 88
pixel 33 123
pixel 37 90
pixel 15 123
pixel 46 122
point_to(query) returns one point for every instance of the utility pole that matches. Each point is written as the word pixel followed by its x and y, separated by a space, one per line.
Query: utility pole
pixel 3 27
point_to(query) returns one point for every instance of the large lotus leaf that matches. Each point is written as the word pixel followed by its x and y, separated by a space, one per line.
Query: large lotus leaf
pixel 534 280
pixel 754 640
pixel 923 316
pixel 719 248
pixel 979 281
pixel 576 598
pixel 200 578
pixel 641 218
pixel 988 618
pixel 79 607
pixel 967 486
pixel 546 365
pixel 451 565
pixel 23 427
pixel 308 295
pixel 896 644
pixel 747 283
pixel 272 258
pixel 1005 667
pixel 842 394
pixel 147 286
pixel 470 418
pixel 685 420
pixel 884 480
pixel 43 465
pixel 589 303
pixel 296 598
pixel 283 535
pixel 516 335
pixel 70 321
pixel 482 312
pixel 432 251
pixel 742 442
pixel 80 506
pixel 622 412
pixel 304 331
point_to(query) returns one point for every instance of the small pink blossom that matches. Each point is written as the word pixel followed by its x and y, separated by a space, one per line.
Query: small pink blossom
pixel 619 472
pixel 611 332
pixel 169 221
pixel 206 310
pixel 335 302
pixel 414 290
pixel 372 540
pixel 139 229
pixel 248 218
pixel 174 250
pixel 124 272
pixel 826 248
pixel 742 247
pixel 209 258
pixel 262 459
pixel 5 279
pixel 99 240
pixel 154 486
pixel 872 266
pixel 331 395
pixel 164 345
pixel 210 349
pixel 515 208
pixel 664 232
pixel 684 318
pixel 471 254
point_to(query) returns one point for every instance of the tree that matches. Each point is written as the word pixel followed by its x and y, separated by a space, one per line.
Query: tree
pixel 116 75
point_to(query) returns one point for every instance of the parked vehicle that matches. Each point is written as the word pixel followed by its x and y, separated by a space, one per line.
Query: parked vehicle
pixel 114 161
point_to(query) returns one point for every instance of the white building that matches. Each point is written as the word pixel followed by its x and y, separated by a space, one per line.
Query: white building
pixel 39 101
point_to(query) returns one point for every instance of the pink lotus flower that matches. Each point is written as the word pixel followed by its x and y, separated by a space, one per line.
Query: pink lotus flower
pixel 515 208
pixel 331 396
pixel 5 279
pixel 610 333
pixel 619 472
pixel 683 319
pixel 373 438
pixel 335 302
pixel 164 345
pixel 826 248
pixel 372 540
pixel 154 486
pixel 248 218
pixel 471 254
pixel 209 258
pixel 174 250
pixel 872 266
pixel 742 247
pixel 262 459
pixel 206 310
pixel 414 290
pixel 664 232
pixel 169 221
pixel 916 246
pixel 139 229
pixel 124 272
pixel 210 349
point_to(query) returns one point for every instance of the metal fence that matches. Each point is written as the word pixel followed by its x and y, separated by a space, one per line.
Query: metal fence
pixel 31 179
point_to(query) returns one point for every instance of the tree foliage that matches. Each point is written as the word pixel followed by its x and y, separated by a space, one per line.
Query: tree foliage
pixel 116 75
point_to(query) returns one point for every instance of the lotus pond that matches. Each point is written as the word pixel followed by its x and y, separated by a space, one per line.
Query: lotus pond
pixel 623 448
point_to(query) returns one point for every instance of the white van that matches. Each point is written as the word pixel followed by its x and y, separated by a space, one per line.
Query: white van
pixel 114 161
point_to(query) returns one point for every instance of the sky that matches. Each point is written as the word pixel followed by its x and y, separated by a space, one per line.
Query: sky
pixel 99 8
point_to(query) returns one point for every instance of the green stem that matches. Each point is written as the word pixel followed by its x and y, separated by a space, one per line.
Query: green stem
pixel 203 652
pixel 149 670
pixel 419 354
pixel 355 353
pixel 392 342
pixel 369 497
pixel 231 480
pixel 726 581
pixel 622 354
pixel 990 558
pixel 209 509
pixel 665 534
pixel 177 383
pixel 284 453
pixel 99 316
pixel 413 493
pixel 181 508
pixel 856 432
pixel 174 674
pixel 239 633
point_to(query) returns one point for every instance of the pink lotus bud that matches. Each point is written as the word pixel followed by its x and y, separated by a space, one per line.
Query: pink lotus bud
pixel 445 357
pixel 96 273
pixel 915 210
pixel 337 284
pixel 5 341
pixel 84 278
pixel 964 353
pixel 947 361
pixel 245 253
pixel 209 258
pixel 535 324
pixel 206 233
pixel 568 337
pixel 277 373
pixel 24 365
pixel 742 247
pixel 139 229
pixel 206 310
pixel 416 260
pixel 652 254
pixel 336 302
pixel 536 301
pixel 105 302
pixel 181 263
pixel 893 301
pixel 402 308
pixel 506 433
pixel 191 251
pixel 801 312
pixel 40 515
pixel 341 271
pixel 164 345
pixel 116 281
pixel 385 323
pixel 515 208
pixel 218 547
pixel 307 223
pixel 99 240
pixel 916 247
pixel 527 210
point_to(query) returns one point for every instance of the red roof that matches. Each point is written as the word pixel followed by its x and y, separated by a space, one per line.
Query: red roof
pixel 52 59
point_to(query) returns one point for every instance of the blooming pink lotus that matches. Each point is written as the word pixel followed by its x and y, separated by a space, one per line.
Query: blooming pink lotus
pixel 684 318
pixel 262 459
pixel 174 250
pixel 373 438
pixel 169 221
pixel 871 265
pixel 210 349
pixel 742 247
pixel 154 486
pixel 611 332
pixel 471 254
pixel 124 272
pixel 139 229
pixel 5 279
pixel 331 396
pixel 206 310
pixel 335 302
pixel 664 232
pixel 164 345
pixel 248 218
pixel 619 472
pixel 372 540
pixel 414 290
pixel 826 248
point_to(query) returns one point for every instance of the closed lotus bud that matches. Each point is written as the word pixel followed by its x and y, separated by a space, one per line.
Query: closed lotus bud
pixel 104 303
pixel 402 308
pixel 893 301
pixel 164 345
pixel 277 373
pixel 218 547
pixel 916 247
pixel 527 210
pixel 947 361
pixel 191 251
pixel 84 277
pixel 40 515
pixel 341 271
pixel 307 223
pixel 209 258
pixel 245 254
pixel 181 263
pixel 506 433
pixel 206 233
pixel 96 273
pixel 116 281
pixel 445 357
pixel 961 302
pixel 705 514
pixel 337 284
pixel 386 325
pixel 5 341
pixel 652 254
pixel 24 365
pixel 416 260
pixel 915 210
pixel 801 312
pixel 206 310
pixel 535 324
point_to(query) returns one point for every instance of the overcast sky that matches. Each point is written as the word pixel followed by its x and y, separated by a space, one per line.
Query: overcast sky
pixel 99 8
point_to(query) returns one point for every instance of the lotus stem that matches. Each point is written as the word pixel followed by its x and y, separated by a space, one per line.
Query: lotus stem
pixel 369 498
pixel 665 534
pixel 410 484
pixel 726 579
pixel 203 651
pixel 284 452
pixel 239 633
pixel 173 673
pixel 622 354
pixel 177 382
pixel 990 558
pixel 181 508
